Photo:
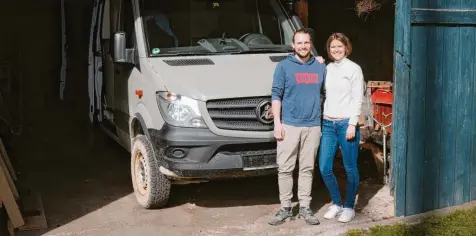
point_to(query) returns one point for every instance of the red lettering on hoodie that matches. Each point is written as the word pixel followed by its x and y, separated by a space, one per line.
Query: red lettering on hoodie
pixel 306 78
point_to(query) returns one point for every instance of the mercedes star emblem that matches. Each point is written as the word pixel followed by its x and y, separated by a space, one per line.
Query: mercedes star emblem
pixel 264 112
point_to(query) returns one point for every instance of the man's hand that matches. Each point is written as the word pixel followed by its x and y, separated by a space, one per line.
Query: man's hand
pixel 350 132
pixel 320 59
pixel 278 132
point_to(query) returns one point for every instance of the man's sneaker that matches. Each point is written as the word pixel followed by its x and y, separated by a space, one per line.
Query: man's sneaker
pixel 347 215
pixel 333 211
pixel 281 216
pixel 306 213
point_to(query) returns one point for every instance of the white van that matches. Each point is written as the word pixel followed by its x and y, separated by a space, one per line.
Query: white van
pixel 185 87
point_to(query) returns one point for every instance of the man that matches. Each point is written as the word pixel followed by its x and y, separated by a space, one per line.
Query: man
pixel 296 89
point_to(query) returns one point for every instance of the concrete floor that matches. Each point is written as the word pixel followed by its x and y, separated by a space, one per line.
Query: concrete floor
pixel 83 178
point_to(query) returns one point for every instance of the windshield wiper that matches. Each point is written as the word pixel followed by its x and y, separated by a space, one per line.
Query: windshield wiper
pixel 271 48
pixel 225 43
pixel 266 50
pixel 207 45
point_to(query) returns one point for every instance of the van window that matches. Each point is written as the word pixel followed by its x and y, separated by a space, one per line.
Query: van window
pixel 212 26
pixel 128 22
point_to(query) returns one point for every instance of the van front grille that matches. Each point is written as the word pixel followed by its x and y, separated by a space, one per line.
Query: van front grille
pixel 245 114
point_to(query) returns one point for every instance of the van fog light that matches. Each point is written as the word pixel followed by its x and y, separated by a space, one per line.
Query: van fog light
pixel 177 153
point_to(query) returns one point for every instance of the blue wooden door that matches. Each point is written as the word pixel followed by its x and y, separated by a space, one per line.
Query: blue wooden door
pixel 434 139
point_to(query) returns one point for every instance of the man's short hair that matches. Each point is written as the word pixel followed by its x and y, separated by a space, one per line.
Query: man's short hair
pixel 302 31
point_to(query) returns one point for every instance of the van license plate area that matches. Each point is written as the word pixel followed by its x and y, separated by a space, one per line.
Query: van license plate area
pixel 255 160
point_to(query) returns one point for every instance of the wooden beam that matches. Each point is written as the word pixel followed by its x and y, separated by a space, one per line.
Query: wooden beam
pixel 9 201
pixel 7 161
pixel 302 10
pixel 8 169
pixel 443 16
pixel 402 58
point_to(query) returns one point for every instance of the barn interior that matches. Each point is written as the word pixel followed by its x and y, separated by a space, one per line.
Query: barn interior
pixel 76 168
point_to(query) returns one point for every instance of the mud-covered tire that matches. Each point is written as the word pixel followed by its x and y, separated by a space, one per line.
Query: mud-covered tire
pixel 151 188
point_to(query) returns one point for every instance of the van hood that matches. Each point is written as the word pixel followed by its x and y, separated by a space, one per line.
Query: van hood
pixel 220 76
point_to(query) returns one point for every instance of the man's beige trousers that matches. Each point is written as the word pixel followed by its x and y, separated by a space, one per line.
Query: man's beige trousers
pixel 299 143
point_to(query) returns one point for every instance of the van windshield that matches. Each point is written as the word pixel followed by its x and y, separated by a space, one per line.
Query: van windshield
pixel 194 27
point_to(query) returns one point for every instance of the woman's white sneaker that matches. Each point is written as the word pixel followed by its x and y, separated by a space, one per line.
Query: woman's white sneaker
pixel 333 211
pixel 347 215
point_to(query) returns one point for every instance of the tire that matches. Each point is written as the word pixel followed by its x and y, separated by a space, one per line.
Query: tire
pixel 151 188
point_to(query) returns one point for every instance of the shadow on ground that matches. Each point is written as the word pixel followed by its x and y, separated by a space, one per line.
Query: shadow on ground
pixel 77 170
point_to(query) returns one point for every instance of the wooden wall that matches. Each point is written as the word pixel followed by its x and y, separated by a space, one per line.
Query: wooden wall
pixel 32 29
pixel 372 38
pixel 435 105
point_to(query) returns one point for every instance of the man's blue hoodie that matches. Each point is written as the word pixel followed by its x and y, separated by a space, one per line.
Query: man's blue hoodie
pixel 298 86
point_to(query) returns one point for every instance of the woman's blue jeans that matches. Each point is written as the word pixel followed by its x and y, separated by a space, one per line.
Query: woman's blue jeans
pixel 333 136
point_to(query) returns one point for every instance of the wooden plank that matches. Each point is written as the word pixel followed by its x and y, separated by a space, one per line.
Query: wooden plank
pixel 9 179
pixel 399 149
pixel 464 93
pixel 3 165
pixel 471 38
pixel 443 16
pixel 416 117
pixel 402 29
pixel 416 123
pixel 472 153
pixel 433 120
pixel 420 4
pixel 9 201
pixel 6 158
pixel 449 47
pixel 11 229
pixel 400 108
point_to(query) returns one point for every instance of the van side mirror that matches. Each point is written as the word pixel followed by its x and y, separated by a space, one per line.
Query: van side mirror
pixel 120 47
pixel 121 53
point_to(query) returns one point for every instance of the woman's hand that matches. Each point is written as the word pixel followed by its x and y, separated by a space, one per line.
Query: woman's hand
pixel 350 132
pixel 320 59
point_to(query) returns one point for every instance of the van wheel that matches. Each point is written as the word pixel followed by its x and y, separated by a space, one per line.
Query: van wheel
pixel 151 188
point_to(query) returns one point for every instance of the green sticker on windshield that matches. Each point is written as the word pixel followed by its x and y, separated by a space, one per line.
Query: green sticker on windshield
pixel 155 51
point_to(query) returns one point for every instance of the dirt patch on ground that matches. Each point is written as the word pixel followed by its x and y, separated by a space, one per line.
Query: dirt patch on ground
pixel 83 178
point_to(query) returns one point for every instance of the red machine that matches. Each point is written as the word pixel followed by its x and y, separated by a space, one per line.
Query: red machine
pixel 381 97
pixel 376 122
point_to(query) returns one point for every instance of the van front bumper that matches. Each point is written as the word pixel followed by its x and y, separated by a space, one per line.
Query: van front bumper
pixel 199 153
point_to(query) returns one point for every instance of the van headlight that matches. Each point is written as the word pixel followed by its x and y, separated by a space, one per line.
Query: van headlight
pixel 179 110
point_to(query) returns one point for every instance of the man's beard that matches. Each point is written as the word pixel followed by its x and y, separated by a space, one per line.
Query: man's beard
pixel 301 55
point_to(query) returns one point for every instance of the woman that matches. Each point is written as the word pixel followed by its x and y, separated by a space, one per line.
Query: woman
pixel 344 86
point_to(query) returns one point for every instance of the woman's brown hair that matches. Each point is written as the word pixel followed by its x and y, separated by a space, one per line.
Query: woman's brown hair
pixel 343 39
